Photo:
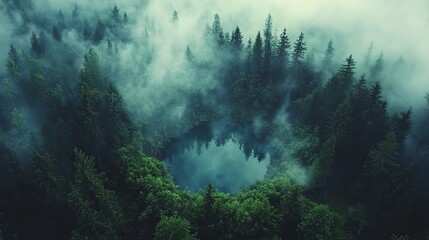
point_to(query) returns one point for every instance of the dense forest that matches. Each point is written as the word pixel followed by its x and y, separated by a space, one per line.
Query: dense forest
pixel 89 113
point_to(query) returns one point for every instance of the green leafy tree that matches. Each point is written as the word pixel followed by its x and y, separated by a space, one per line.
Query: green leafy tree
pixel 174 228
pixel 320 223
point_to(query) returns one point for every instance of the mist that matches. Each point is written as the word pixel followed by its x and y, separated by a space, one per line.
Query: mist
pixel 157 81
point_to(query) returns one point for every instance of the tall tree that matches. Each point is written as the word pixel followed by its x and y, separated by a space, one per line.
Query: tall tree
pixel 99 32
pixel 268 38
pixel 237 39
pixel 299 50
pixel 329 54
pixel 116 17
pixel 282 56
pixel 257 55
pixel 217 31
pixel 97 211
pixel 56 33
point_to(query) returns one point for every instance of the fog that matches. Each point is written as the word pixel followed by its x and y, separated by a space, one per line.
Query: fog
pixel 157 80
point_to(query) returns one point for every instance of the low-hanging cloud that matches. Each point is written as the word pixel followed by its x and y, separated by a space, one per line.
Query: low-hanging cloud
pixel 156 79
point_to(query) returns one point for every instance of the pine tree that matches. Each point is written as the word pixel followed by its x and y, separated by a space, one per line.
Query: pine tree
pixel 56 33
pixel 115 14
pixel 37 44
pixel 98 214
pixel 125 18
pixel 347 71
pixel 217 31
pixel 282 56
pixel 268 38
pixel 237 39
pixel 257 57
pixel 299 50
pixel 99 32
pixel 174 17
pixel 378 66
pixel 87 31
pixel 329 54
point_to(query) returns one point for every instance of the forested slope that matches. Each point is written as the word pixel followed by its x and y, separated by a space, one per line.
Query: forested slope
pixel 81 154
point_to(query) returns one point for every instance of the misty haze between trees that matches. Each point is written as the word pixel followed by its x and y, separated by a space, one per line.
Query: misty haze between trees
pixel 104 114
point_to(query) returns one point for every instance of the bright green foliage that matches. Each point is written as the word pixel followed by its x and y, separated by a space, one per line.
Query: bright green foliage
pixel 320 223
pixel 174 228
pixel 98 214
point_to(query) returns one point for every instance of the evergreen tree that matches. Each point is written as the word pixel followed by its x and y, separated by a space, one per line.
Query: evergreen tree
pixel 329 54
pixel 282 56
pixel 174 17
pixel 87 31
pixel 268 38
pixel 56 33
pixel 378 66
pixel 125 18
pixel 217 31
pixel 257 57
pixel 116 17
pixel 237 39
pixel 299 50
pixel 99 32
pixel 37 44
pixel 98 214
pixel 347 71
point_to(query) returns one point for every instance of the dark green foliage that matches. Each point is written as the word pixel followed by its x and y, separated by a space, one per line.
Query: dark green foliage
pixel 56 33
pixel 322 125
pixel 38 44
pixel 299 50
pixel 281 60
pixel 237 39
pixel 98 32
pixel 96 210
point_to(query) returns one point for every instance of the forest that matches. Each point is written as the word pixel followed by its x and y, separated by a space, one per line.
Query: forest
pixel 103 124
